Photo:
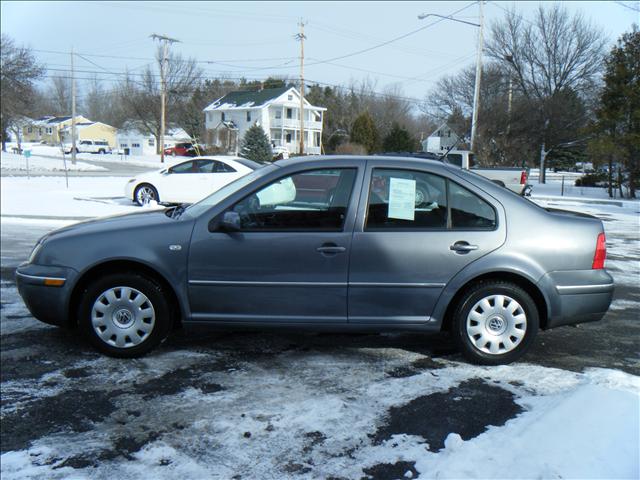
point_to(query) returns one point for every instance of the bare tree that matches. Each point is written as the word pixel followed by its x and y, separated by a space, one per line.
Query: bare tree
pixel 551 58
pixel 141 94
pixel 60 95
pixel 19 71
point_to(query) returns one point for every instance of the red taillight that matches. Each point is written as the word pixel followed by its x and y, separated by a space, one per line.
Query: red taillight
pixel 523 177
pixel 601 252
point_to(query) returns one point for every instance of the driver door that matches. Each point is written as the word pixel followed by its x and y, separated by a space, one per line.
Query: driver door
pixel 288 263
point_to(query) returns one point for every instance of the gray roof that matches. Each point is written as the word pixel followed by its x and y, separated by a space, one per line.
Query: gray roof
pixel 247 98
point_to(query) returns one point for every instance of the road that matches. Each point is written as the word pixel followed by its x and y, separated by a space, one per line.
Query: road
pixel 270 404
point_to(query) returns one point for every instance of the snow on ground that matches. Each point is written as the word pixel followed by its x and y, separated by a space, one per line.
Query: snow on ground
pixel 138 160
pixel 13 161
pixel 572 425
pixel 49 196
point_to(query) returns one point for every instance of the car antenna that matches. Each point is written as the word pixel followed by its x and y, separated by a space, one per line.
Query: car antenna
pixel 444 157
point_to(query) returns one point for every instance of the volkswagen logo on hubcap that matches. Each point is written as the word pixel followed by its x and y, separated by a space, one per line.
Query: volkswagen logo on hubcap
pixel 122 317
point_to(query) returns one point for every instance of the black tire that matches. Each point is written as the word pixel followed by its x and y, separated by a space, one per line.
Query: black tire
pixel 149 189
pixel 462 324
pixel 102 151
pixel 162 320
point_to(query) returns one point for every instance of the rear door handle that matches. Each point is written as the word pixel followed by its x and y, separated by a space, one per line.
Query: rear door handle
pixel 330 249
pixel 463 247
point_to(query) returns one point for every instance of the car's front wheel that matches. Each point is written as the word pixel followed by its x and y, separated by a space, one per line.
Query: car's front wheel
pixel 495 323
pixel 125 315
pixel 145 193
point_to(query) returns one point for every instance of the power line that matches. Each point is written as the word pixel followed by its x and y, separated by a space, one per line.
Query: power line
pixel 622 4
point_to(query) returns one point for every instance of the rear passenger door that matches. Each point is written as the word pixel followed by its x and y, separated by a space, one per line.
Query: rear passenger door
pixel 415 230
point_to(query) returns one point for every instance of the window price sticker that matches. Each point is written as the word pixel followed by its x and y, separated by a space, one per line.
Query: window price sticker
pixel 402 199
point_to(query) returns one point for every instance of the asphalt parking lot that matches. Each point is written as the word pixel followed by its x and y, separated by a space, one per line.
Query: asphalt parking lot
pixel 272 404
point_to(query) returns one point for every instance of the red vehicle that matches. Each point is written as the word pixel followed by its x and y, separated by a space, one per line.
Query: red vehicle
pixel 182 150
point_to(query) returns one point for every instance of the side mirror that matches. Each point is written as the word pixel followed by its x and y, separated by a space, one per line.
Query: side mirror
pixel 230 223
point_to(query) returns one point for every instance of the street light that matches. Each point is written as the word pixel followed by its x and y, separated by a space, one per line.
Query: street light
pixel 476 90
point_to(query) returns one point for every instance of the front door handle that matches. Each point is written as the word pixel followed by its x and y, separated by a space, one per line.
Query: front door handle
pixel 330 249
pixel 463 247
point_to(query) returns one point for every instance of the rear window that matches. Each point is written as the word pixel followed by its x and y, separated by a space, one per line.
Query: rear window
pixel 248 163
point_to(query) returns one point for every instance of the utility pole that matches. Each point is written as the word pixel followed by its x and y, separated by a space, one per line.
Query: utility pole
pixel 73 112
pixel 476 90
pixel 300 36
pixel 163 86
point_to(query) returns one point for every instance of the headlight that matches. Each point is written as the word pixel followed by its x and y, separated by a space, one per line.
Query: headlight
pixel 34 252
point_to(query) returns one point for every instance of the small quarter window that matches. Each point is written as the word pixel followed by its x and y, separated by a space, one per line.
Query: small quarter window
pixel 468 211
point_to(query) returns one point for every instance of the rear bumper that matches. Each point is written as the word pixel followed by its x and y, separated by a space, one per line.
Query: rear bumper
pixel 577 296
pixel 47 303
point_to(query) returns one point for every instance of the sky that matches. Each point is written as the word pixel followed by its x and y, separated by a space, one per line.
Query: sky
pixel 256 39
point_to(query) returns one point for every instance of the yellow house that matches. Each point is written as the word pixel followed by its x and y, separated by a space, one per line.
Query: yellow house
pixel 47 129
pixel 91 131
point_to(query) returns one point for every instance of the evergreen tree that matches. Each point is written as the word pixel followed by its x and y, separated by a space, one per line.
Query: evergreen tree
pixel 398 140
pixel 619 110
pixel 364 132
pixel 256 146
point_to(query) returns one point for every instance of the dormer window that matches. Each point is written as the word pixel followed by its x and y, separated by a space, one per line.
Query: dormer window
pixel 290 98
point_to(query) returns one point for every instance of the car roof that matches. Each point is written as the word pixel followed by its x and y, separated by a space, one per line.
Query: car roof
pixel 362 158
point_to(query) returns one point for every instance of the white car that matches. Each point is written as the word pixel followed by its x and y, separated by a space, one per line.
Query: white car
pixel 188 181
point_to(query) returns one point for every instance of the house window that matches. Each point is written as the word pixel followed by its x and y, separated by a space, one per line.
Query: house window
pixel 448 133
pixel 290 98
pixel 152 142
pixel 288 137
pixel 289 112
pixel 135 145
pixel 49 131
pixel 275 136
pixel 317 139
pixel 222 117
pixel 248 116
pixel 29 129
pixel 278 113
pixel 124 145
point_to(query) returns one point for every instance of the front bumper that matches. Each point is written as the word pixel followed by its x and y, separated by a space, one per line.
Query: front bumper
pixel 577 296
pixel 46 291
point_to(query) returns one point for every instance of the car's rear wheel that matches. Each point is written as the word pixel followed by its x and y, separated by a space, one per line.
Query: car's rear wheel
pixel 125 315
pixel 495 323
pixel 145 193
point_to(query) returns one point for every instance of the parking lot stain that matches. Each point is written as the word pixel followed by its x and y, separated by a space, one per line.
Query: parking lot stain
pixel 74 410
pixel 414 368
pixel 390 471
pixel 176 381
pixel 467 410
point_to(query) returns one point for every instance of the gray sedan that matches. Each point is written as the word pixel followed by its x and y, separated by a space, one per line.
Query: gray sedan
pixel 331 243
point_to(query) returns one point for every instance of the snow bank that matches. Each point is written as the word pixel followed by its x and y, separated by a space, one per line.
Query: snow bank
pixel 590 432
pixel 49 196
pixel 13 161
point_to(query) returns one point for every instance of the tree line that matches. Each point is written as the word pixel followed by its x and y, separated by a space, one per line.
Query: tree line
pixel 552 93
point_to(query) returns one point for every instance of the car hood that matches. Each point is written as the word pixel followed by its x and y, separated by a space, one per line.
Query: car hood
pixel 122 222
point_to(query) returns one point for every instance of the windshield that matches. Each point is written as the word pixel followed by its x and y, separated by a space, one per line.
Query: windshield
pixel 216 197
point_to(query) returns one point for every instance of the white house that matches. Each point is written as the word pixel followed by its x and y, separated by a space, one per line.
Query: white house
pixel 440 140
pixel 276 110
pixel 131 139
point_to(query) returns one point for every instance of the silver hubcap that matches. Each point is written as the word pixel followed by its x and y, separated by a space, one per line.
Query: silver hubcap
pixel 123 317
pixel 496 324
pixel 146 194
